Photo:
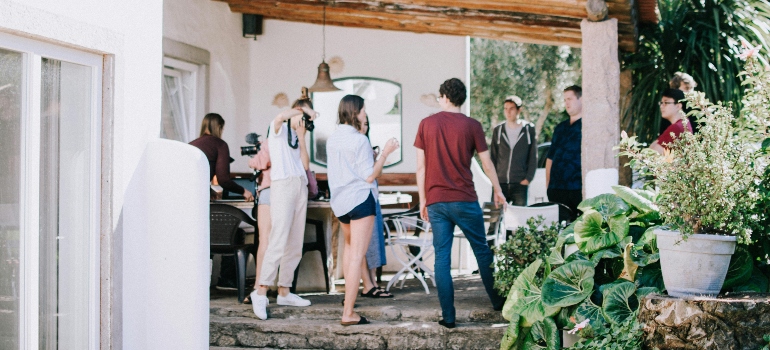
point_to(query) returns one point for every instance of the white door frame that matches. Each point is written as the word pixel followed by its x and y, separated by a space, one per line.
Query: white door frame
pixel 33 51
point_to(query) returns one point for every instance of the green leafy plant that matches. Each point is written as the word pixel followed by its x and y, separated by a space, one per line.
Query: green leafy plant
pixel 625 335
pixel 598 285
pixel 527 244
pixel 699 165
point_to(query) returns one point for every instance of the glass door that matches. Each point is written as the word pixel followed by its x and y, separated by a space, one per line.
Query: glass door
pixel 49 195
pixel 11 87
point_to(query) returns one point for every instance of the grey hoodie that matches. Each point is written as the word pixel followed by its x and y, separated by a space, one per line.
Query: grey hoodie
pixel 513 167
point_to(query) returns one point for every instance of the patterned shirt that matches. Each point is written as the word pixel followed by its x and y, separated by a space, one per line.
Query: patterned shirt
pixel 564 153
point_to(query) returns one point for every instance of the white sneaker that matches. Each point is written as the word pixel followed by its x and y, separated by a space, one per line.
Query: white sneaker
pixel 292 299
pixel 259 305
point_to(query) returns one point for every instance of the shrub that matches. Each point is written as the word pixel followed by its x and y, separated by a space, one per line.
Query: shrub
pixel 527 244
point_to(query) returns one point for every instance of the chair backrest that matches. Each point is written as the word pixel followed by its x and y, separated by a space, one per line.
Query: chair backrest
pixel 565 213
pixel 516 216
pixel 492 216
pixel 224 223
pixel 402 224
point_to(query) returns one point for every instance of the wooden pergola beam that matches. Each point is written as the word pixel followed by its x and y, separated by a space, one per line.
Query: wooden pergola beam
pixel 416 16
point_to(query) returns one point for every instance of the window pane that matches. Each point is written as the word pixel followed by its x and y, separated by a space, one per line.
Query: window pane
pixel 65 216
pixel 11 66
pixel 173 117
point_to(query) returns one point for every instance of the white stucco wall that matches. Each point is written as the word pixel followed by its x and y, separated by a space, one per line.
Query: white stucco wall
pixel 211 26
pixel 129 30
pixel 287 55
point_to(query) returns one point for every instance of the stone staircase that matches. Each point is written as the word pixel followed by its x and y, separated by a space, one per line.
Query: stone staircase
pixel 407 321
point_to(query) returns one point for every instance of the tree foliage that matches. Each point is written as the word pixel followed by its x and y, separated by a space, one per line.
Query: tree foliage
pixel 701 38
pixel 536 73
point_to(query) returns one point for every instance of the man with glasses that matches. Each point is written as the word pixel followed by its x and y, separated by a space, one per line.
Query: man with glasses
pixel 672 110
pixel 446 142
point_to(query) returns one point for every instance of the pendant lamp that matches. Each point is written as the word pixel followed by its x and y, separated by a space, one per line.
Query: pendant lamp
pixel 323 82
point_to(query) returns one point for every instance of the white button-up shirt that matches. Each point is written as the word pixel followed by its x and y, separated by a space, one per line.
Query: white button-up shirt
pixel 349 162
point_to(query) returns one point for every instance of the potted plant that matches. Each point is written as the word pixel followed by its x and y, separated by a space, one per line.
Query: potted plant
pixel 708 187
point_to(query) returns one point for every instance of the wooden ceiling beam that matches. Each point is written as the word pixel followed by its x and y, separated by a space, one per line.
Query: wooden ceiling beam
pixel 514 9
pixel 513 26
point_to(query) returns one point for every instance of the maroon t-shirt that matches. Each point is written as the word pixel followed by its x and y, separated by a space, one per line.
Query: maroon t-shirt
pixel 449 140
pixel 672 132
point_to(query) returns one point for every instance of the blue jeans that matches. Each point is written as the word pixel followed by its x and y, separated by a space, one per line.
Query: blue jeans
pixel 468 216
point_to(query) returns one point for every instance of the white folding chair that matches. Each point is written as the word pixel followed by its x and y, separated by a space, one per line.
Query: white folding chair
pixel 492 223
pixel 516 216
pixel 402 241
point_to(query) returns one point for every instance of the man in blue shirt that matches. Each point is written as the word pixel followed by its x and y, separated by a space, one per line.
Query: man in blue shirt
pixel 563 170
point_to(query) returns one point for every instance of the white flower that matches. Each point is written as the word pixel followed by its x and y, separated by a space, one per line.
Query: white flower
pixel 579 326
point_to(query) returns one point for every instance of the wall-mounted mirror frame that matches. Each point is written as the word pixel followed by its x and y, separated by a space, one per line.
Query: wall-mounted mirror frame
pixel 384 106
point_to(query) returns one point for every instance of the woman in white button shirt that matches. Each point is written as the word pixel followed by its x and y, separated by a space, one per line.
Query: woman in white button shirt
pixel 351 173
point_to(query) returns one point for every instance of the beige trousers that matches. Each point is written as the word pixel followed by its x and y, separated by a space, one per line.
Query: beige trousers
pixel 288 210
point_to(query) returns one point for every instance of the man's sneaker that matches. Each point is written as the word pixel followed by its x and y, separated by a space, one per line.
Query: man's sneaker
pixel 259 305
pixel 292 299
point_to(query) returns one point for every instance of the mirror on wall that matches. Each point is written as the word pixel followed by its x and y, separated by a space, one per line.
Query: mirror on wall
pixel 382 99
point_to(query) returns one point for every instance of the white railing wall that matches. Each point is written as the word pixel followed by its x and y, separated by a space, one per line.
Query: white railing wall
pixel 165 250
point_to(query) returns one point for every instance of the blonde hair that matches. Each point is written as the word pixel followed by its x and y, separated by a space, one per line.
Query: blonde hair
pixel 683 78
pixel 212 125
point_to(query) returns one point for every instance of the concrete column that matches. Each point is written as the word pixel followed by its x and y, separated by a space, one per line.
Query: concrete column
pixel 601 95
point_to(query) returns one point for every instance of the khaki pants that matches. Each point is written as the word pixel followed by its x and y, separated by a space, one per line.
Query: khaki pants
pixel 288 210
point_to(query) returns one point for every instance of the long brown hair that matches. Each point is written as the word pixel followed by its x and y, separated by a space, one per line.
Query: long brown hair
pixel 350 106
pixel 212 125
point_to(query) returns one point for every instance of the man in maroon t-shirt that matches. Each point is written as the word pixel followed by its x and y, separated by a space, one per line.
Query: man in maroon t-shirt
pixel 446 142
pixel 671 109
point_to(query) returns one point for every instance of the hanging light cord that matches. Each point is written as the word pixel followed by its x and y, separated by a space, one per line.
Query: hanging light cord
pixel 323 30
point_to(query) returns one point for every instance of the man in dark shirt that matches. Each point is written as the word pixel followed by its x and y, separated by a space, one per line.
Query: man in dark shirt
pixel 445 145
pixel 514 152
pixel 563 170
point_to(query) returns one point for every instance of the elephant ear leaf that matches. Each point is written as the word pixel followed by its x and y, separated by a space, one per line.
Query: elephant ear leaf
pixel 620 301
pixel 636 200
pixel 588 310
pixel 569 284
pixel 511 335
pixel 740 268
pixel 543 335
pixel 607 204
pixel 591 236
pixel 525 298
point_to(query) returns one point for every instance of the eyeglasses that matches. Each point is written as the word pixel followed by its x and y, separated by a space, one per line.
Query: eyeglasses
pixel 661 103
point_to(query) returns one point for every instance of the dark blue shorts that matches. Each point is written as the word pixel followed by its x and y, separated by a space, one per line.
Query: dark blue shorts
pixel 367 208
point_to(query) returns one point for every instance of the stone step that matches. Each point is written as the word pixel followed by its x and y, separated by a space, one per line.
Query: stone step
pixel 395 311
pixel 228 333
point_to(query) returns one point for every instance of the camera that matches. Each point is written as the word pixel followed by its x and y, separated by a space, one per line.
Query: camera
pixel 252 139
pixel 309 125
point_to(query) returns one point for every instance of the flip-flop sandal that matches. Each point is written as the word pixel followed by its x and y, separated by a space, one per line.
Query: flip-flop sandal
pixel 376 293
pixel 362 320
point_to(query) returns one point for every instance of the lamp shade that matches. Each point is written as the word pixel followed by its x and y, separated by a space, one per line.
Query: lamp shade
pixel 323 82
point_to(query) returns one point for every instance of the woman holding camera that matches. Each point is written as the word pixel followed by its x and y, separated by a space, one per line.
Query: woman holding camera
pixel 289 162
pixel 218 154
pixel 351 173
